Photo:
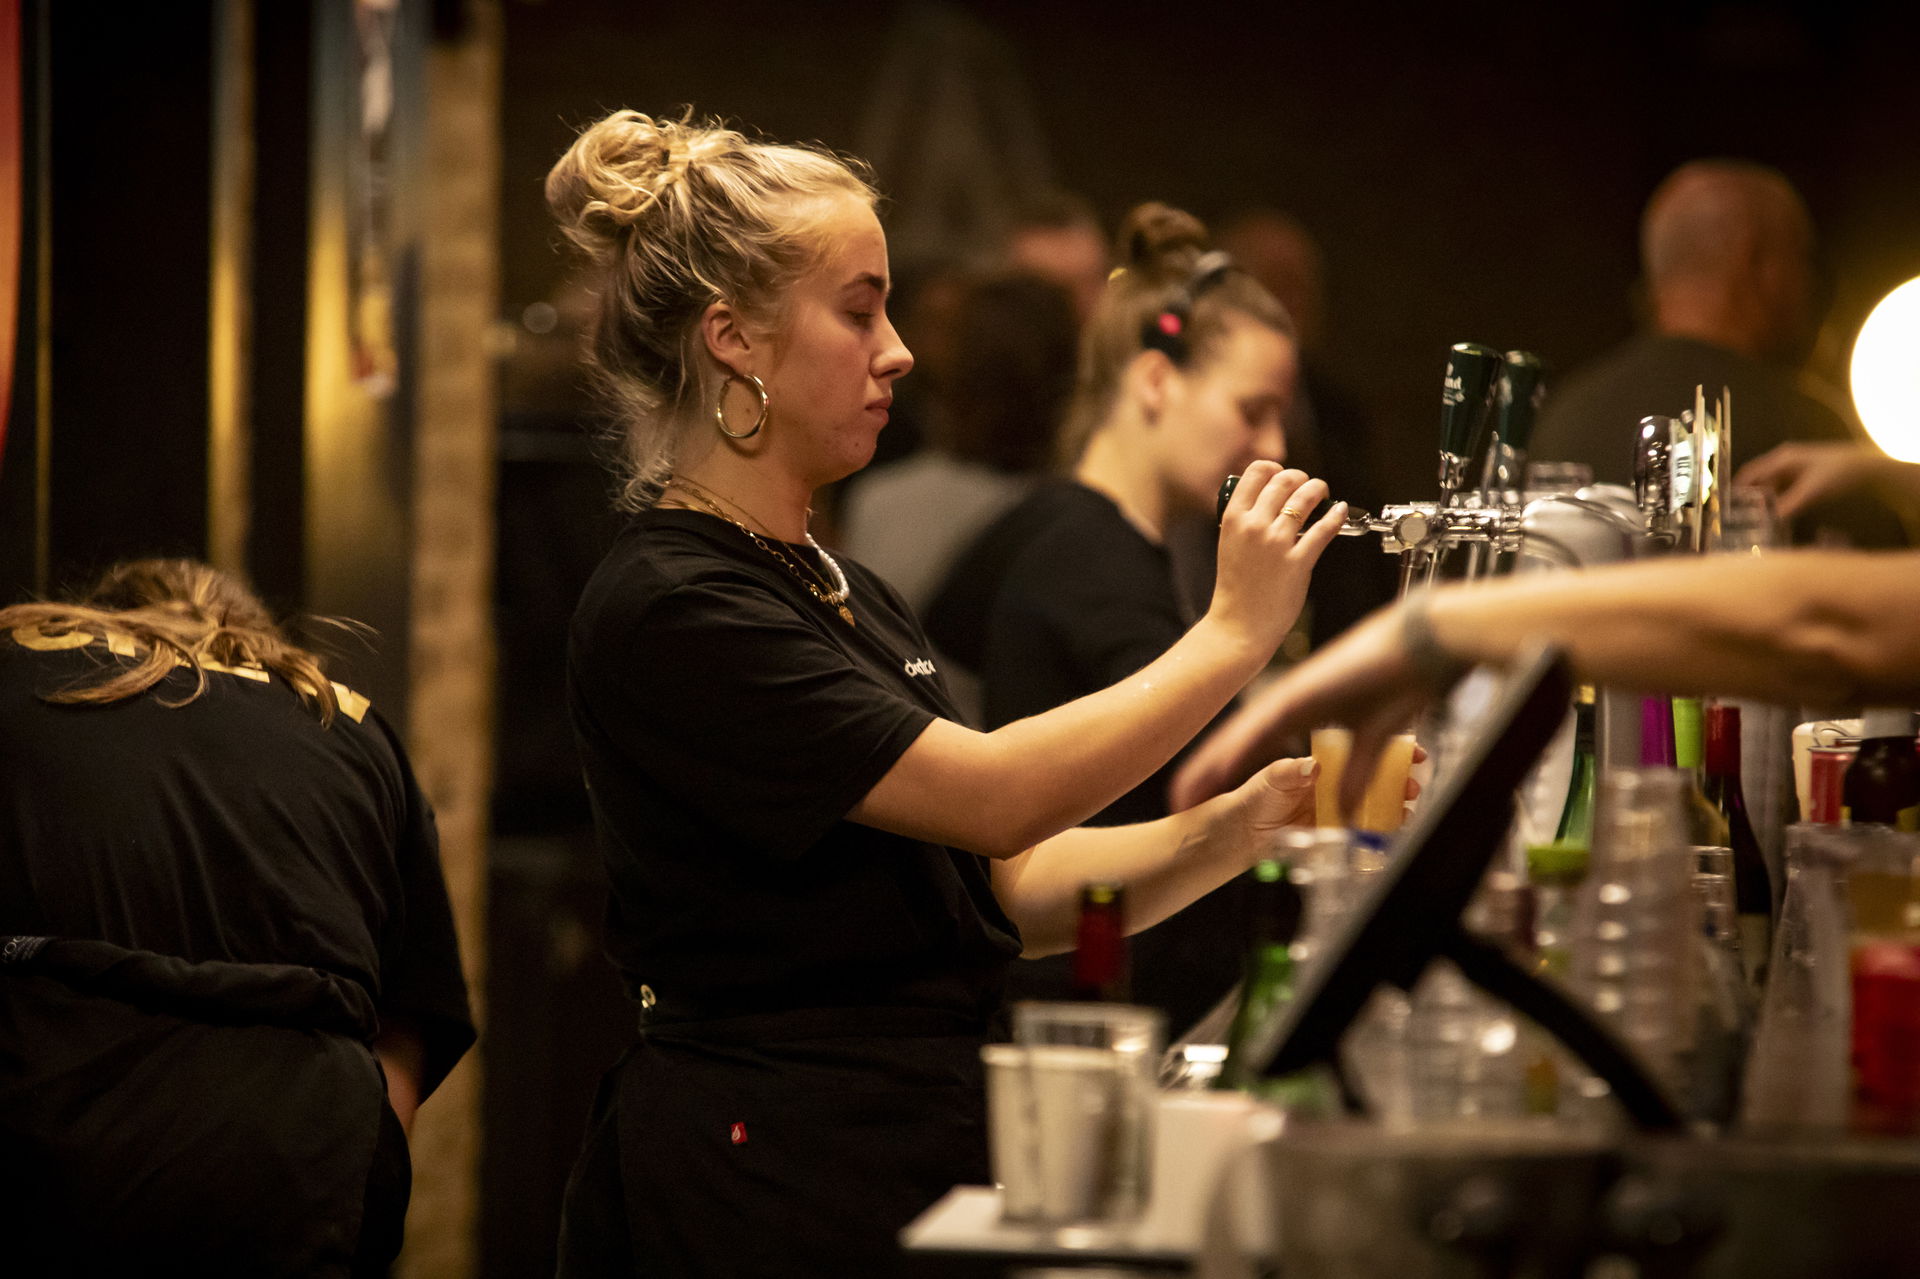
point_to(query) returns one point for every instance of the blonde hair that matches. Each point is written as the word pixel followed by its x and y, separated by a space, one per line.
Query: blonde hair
pixel 175 613
pixel 1158 248
pixel 673 216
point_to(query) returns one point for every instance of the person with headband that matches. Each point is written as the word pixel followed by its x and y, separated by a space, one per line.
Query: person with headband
pixel 228 971
pixel 817 873
pixel 1187 371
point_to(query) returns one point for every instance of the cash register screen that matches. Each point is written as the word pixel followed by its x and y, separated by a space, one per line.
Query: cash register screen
pixel 1413 907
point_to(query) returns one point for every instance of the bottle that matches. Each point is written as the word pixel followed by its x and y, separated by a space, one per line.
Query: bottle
pixel 1576 815
pixel 1722 999
pixel 1883 783
pixel 1100 972
pixel 1554 871
pixel 1656 732
pixel 1752 885
pixel 1706 826
pixel 1267 979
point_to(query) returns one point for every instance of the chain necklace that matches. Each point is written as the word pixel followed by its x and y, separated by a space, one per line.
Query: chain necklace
pixel 834 594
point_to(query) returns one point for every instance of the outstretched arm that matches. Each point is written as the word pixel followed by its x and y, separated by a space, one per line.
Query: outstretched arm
pixel 1813 627
pixel 1803 474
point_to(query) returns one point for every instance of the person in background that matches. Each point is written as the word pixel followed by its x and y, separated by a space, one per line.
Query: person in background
pixel 1328 431
pixel 228 972
pixel 1732 298
pixel 994 426
pixel 1057 237
pixel 1805 475
pixel 817 873
pixel 1814 628
pixel 1074 588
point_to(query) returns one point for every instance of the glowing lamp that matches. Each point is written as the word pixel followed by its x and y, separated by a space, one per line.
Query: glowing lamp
pixel 1886 373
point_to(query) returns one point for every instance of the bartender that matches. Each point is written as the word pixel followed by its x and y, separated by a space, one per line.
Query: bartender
pixel 817 873
pixel 228 971
pixel 1186 374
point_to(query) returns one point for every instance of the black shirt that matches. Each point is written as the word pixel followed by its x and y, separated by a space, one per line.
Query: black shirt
pixel 728 721
pixel 1595 416
pixel 1063 597
pixel 1059 598
pixel 234 828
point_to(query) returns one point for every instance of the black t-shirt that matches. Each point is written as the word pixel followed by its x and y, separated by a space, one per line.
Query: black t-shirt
pixel 1064 597
pixel 1594 418
pixel 728 721
pixel 1059 598
pixel 235 827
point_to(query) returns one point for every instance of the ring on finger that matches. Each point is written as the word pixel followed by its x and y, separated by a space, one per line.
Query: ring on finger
pixel 1290 512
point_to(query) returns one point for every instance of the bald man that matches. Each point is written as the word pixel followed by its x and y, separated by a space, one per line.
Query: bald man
pixel 1726 250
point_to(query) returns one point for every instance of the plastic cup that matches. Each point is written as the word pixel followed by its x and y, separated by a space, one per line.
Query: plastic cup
pixel 1384 806
pixel 1070 1112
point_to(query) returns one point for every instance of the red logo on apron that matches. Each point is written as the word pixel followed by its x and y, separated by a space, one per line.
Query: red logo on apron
pixel 739 1134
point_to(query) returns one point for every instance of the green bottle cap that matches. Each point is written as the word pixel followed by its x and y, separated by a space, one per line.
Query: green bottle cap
pixel 1560 862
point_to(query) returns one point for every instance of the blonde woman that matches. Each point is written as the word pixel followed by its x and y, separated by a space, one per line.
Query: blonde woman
pixel 818 874
pixel 227 964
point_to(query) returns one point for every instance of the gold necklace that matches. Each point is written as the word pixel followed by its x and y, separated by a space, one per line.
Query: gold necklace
pixel 833 594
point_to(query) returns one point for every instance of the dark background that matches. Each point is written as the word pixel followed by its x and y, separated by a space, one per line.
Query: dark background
pixel 1473 172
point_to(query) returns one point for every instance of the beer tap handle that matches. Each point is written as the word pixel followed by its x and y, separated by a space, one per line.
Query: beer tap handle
pixel 1466 412
pixel 1522 386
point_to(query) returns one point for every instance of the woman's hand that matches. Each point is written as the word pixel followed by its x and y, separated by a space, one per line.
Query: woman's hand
pixel 1267 552
pixel 1801 475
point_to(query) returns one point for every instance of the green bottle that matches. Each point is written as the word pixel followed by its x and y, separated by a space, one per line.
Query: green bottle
pixel 1706 825
pixel 1267 977
pixel 1576 815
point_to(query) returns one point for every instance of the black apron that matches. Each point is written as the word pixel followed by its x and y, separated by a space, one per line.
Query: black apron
pixel 780 1144
pixel 160 1116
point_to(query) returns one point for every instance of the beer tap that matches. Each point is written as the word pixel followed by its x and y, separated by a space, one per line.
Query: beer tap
pixel 1466 413
pixel 1522 387
pixel 1421 533
pixel 1517 397
pixel 1653 461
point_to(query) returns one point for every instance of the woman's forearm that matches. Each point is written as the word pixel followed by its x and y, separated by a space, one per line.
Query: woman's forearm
pixel 1165 864
pixel 1001 792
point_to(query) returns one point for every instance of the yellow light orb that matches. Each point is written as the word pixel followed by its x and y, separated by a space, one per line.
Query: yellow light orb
pixel 1886 373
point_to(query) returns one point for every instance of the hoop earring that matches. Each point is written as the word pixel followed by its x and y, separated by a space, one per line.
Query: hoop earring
pixel 720 408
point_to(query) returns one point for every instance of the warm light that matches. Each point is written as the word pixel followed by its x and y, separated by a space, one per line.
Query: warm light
pixel 1886 373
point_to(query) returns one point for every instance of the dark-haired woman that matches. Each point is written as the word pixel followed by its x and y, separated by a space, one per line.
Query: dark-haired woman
pixel 818 874
pixel 1187 370
pixel 228 973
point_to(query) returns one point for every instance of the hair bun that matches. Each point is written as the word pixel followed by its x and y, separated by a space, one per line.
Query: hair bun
pixel 620 168
pixel 1161 241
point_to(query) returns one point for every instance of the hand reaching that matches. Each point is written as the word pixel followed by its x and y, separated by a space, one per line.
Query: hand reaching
pixel 1804 474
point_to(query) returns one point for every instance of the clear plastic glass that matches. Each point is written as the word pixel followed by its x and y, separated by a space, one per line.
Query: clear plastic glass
pixel 1634 956
pixel 1798 1073
pixel 1749 524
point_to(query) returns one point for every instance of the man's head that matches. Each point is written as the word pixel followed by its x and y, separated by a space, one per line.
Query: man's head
pixel 1275 249
pixel 1727 251
pixel 1057 237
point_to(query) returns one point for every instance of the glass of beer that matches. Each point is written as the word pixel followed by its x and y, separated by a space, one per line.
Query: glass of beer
pixel 1384 806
